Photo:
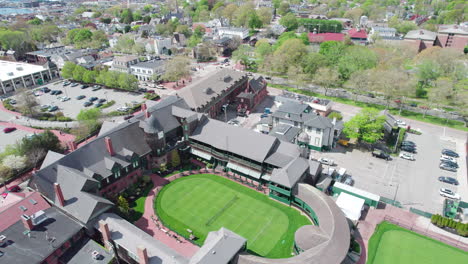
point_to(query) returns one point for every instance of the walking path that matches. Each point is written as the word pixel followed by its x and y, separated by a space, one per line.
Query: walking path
pixel 63 137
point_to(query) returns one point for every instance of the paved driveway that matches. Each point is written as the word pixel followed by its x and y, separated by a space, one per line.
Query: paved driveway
pixel 10 138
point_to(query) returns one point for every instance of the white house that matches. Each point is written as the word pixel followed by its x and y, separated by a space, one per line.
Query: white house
pixel 383 32
pixel 144 71
pixel 230 32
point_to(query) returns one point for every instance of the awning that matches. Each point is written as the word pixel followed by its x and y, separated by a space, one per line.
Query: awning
pixel 266 177
pixel 200 154
pixel 244 170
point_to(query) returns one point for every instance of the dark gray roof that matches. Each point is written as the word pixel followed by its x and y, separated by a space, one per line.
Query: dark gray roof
pixel 309 236
pixel 289 175
pixel 295 108
pixel 50 158
pixel 220 247
pixel 241 141
pixel 285 132
pixel 130 237
pixel 84 255
pixel 161 118
pixel 200 93
pixel 302 113
pixel 257 84
pixel 36 247
pixel 318 121
pixel 314 167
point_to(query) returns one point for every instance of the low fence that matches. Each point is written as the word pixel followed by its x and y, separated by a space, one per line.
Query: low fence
pixel 425 232
pixel 421 213
pixel 391 202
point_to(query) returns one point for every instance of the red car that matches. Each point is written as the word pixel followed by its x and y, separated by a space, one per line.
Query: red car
pixel 128 117
pixel 14 188
pixel 9 129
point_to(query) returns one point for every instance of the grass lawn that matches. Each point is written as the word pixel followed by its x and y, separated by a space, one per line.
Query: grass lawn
pixel 394 111
pixel 138 205
pixel 393 244
pixel 206 202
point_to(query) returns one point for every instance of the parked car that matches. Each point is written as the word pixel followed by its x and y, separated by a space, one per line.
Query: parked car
pixel 44 90
pixel 142 90
pixel 12 102
pixel 96 87
pixel 348 180
pixel 450 153
pixel 102 100
pixel 53 108
pixel 66 83
pixel 448 158
pixel 87 103
pixel 407 156
pixel 326 161
pixel 408 149
pixel 233 122
pixel 127 117
pixel 150 91
pixel 45 106
pixel 380 154
pixel 55 92
pixel 92 99
pixel 449 194
pixel 98 105
pixel 447 167
pixel 84 86
pixel 267 77
pixel 409 143
pixel 74 84
pixel 65 98
pixel 123 109
pixel 14 188
pixel 79 97
pixel 264 115
pixel 401 123
pixel 448 180
pixel 451 164
pixel 9 129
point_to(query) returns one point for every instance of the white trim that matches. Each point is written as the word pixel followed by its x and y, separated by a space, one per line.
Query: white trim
pixel 201 154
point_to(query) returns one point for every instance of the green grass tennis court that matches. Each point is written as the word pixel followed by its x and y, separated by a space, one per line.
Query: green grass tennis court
pixel 205 203
pixel 393 244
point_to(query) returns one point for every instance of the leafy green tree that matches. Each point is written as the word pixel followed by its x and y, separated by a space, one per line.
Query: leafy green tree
pixel 263 48
pixel 126 16
pixel 229 11
pixel 243 55
pixel 106 20
pixel 27 102
pixel 137 16
pixel 78 73
pixel 332 50
pixel 111 79
pixel 35 21
pixel 67 70
pixel 90 76
pixel 254 21
pixel 366 126
pixel 147 8
pixel 356 58
pixel 327 78
pixel 99 40
pixel 265 14
pixel 336 115
pixel 128 82
pixel 177 68
pixel 427 72
pixel 243 14
pixel 283 8
pixel 312 62
pixel 175 158
pixel 123 205
pixel 290 53
pixel 289 21
pixel 15 163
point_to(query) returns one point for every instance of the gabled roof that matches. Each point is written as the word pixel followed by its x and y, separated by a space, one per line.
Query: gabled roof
pixel 322 37
pixel 288 176
pixel 220 247
pixel 161 118
pixel 359 34
pixel 318 121
pixel 50 158
pixel 257 84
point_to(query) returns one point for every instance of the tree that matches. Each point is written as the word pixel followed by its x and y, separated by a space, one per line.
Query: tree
pixel 35 21
pixel 297 75
pixel 243 14
pixel 106 20
pixel 336 115
pixel 283 8
pixel 242 55
pixel 175 158
pixel 359 82
pixel 229 11
pixel 356 58
pixel 68 69
pixel 123 205
pixel 332 50
pixel 27 102
pixel 265 14
pixel 366 126
pixel 289 21
pixel 177 68
pixel 254 21
pixel 128 82
pixel 354 14
pixel 326 78
pixel 99 40
pixel 78 73
pixel 90 76
pixel 288 54
pixel 442 92
pixel 312 62
pixel 126 16
pixel 89 120
pixel 16 163
pixel 263 48
pixel 427 72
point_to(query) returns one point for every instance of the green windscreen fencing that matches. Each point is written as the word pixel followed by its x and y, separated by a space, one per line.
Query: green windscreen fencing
pixel 419 212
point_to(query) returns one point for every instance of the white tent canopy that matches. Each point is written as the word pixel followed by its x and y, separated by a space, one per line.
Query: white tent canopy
pixel 350 205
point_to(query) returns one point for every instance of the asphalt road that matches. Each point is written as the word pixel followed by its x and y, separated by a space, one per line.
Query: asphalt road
pixel 10 138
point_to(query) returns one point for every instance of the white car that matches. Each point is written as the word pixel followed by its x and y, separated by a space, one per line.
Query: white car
pixel 401 123
pixel 407 156
pixel 45 106
pixel 447 158
pixel 123 109
pixel 326 161
pixel 449 194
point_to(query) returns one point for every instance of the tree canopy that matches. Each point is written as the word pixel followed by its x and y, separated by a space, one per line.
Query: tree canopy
pixel 366 126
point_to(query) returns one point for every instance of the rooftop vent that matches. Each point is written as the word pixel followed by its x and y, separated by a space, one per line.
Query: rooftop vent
pixel 24 209
pixel 2 240
pixel 19 68
pixel 227 78
pixel 10 74
pixel 39 217
pixel 208 90
pixel 32 201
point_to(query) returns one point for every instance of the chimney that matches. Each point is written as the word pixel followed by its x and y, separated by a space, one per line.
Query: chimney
pixel 109 147
pixel 142 255
pixel 59 194
pixel 143 107
pixel 147 114
pixel 27 222
pixel 104 229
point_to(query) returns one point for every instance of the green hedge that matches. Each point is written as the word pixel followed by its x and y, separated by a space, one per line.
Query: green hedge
pixel 440 221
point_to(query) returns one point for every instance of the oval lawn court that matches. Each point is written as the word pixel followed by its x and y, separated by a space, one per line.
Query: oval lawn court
pixel 205 202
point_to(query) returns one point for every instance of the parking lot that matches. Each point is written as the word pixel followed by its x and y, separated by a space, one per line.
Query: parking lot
pixel 412 183
pixel 72 107
pixel 11 138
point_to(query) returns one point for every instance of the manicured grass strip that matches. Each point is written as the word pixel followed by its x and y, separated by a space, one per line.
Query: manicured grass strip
pixel 393 244
pixel 206 202
pixel 138 205
pixel 405 113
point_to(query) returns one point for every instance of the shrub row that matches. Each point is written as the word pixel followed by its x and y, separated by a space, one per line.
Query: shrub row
pixel 442 222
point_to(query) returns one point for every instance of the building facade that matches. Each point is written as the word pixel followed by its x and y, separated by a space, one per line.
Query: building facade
pixel 145 71
pixel 18 75
pixel 124 63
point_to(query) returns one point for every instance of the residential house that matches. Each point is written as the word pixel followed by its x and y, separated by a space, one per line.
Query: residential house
pixel 320 106
pixel 252 95
pixel 231 32
pixel 162 46
pixel 358 36
pixel 44 55
pixel 383 32
pixel 123 63
pixel 420 39
pixel 145 71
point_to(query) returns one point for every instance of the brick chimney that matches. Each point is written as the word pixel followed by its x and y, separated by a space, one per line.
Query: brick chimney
pixel 27 222
pixel 59 194
pixel 109 147
pixel 143 107
pixel 147 114
pixel 104 229
pixel 142 255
